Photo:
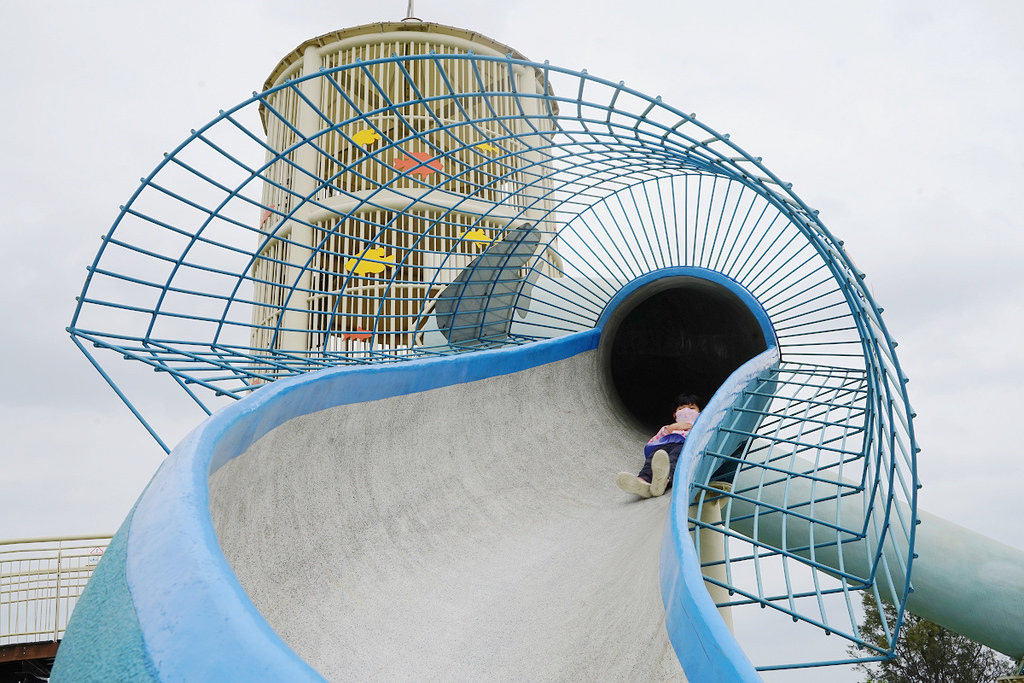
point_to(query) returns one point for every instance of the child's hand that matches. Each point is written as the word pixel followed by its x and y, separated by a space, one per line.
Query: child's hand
pixel 679 427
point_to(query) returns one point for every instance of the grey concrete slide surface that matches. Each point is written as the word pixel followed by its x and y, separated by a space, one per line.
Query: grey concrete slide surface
pixel 472 532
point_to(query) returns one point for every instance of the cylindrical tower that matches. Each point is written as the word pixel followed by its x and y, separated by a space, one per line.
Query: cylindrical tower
pixel 376 206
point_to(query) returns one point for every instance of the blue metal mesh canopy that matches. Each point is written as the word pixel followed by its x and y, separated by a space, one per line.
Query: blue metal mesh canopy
pixel 508 202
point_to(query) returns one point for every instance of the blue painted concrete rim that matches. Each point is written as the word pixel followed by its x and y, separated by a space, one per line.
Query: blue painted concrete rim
pixel 705 645
pixel 724 281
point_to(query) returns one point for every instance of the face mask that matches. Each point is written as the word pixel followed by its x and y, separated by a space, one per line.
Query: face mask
pixel 687 415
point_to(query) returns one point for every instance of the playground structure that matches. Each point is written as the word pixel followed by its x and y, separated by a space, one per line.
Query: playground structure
pixel 517 245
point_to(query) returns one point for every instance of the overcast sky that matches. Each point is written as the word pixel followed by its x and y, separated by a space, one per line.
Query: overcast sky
pixel 901 122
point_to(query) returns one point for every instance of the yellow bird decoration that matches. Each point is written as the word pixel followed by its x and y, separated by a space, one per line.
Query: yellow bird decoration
pixel 369 261
pixel 477 235
pixel 365 137
pixel 487 147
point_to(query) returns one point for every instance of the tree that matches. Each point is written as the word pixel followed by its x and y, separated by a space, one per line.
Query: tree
pixel 926 652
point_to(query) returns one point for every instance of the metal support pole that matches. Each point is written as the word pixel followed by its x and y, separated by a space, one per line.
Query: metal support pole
pixel 711 550
pixel 295 319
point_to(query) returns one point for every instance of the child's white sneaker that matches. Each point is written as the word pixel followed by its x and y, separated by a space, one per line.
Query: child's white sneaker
pixel 630 483
pixel 659 472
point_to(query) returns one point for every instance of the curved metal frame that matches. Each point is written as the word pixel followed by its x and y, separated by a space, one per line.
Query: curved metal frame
pixel 620 185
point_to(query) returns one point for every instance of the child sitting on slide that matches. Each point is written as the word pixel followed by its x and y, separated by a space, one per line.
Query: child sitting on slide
pixel 662 452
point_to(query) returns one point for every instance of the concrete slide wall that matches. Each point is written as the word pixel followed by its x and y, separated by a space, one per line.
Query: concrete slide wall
pixel 452 519
pixel 470 532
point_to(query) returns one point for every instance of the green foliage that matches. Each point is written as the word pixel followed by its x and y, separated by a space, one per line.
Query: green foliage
pixel 926 652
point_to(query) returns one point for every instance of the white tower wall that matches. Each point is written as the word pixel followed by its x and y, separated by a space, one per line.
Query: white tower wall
pixel 490 183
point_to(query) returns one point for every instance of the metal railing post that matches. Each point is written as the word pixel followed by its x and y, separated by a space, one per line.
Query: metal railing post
pixel 29 613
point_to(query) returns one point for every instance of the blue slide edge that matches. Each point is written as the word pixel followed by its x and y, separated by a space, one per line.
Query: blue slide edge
pixel 703 642
pixel 103 634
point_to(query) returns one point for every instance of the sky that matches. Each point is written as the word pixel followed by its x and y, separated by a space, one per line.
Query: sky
pixel 899 122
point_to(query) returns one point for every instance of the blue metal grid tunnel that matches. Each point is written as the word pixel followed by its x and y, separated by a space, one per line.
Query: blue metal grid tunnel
pixel 598 207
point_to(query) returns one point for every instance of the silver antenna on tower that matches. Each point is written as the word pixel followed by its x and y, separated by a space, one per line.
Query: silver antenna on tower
pixel 410 12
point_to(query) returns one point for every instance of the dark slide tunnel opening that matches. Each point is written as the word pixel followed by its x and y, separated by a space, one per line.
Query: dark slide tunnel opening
pixel 676 334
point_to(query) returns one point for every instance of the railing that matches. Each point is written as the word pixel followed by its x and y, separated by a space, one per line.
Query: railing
pixel 40 582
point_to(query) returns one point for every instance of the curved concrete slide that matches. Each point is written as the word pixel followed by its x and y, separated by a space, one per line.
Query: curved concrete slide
pixel 470 532
pixel 449 519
